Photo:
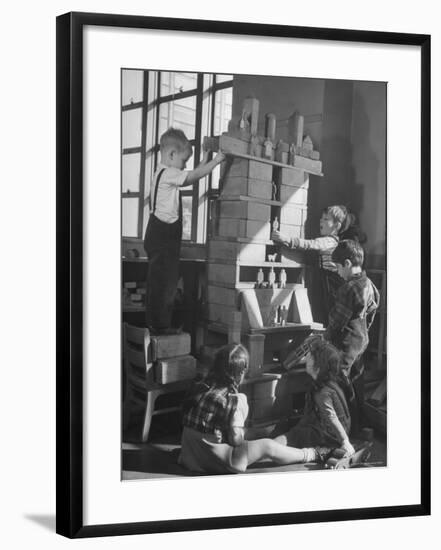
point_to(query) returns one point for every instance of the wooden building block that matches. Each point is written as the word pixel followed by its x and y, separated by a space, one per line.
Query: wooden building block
pixel 311 166
pixel 211 143
pixel 170 345
pixel 245 210
pixel 262 408
pixel 249 169
pixel 222 295
pixel 293 195
pixel 301 308
pixel 295 128
pixel 307 143
pixel 251 105
pixel 315 155
pixel 292 258
pixel 265 389
pixel 292 214
pixel 174 369
pixel 236 186
pixel 234 328
pixel 220 313
pixel 291 230
pixel 222 273
pixel 228 250
pixel 260 305
pixel 232 145
pixel 255 344
pixel 250 229
pixel 292 176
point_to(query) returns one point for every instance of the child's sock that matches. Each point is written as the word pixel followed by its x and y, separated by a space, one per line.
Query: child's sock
pixel 309 454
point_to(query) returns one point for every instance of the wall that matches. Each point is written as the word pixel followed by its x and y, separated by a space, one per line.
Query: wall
pixel 368 169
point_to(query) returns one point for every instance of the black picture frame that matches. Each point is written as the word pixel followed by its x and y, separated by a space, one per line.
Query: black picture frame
pixel 69 295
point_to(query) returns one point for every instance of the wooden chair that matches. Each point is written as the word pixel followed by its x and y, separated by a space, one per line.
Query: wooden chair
pixel 141 390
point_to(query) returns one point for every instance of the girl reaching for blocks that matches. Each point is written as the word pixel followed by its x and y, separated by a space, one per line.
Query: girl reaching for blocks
pixel 335 223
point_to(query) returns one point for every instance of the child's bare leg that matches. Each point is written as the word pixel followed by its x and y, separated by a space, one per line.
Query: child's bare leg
pixel 261 449
pixel 282 439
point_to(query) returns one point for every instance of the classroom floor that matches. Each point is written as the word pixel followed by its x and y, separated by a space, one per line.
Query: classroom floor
pixel 158 459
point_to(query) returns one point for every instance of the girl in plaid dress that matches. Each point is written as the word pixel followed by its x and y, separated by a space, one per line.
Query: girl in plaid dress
pixel 213 437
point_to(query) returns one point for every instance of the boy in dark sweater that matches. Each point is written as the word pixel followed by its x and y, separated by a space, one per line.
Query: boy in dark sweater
pixel 351 317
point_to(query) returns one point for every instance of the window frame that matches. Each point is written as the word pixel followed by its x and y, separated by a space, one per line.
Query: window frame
pixel 202 192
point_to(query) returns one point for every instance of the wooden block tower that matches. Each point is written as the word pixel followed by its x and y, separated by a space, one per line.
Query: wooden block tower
pixel 246 271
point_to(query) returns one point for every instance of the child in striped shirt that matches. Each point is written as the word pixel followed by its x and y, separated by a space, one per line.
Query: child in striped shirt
pixel 335 223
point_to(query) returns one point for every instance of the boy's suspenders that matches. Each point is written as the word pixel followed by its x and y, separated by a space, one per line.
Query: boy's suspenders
pixel 158 179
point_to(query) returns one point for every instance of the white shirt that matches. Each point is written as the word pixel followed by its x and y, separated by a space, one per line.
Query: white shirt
pixel 167 200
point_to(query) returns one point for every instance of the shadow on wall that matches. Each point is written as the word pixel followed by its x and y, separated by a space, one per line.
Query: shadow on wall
pixel 367 170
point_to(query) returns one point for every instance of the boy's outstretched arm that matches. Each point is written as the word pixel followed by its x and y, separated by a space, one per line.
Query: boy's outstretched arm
pixel 204 168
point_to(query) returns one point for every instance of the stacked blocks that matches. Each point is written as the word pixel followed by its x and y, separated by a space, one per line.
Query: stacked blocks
pixel 172 359
pixel 252 194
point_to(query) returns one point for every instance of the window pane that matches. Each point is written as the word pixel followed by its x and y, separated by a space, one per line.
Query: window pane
pixel 223 102
pixel 132 84
pixel 173 83
pixel 187 203
pixel 130 172
pixel 223 78
pixel 131 128
pixel 130 217
pixel 179 114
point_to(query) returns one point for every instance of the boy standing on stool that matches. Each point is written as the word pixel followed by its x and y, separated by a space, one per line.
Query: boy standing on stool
pixel 351 317
pixel 163 236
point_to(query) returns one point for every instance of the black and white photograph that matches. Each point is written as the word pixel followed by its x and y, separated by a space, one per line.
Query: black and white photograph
pixel 253 270
pixel 242 269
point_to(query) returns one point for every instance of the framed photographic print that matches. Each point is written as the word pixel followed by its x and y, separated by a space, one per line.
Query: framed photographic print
pixel 243 254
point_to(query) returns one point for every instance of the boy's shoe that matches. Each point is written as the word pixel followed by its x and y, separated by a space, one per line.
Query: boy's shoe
pixel 323 454
pixel 340 462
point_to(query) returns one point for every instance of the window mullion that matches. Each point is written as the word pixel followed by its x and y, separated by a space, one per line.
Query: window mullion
pixel 143 148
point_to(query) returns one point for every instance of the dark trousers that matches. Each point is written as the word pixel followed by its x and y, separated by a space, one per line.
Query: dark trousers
pixel 162 243
pixel 355 394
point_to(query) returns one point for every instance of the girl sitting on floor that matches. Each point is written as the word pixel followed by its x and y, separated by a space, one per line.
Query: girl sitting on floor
pixel 326 420
pixel 213 437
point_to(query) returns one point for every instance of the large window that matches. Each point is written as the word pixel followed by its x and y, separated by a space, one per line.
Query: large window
pixel 198 103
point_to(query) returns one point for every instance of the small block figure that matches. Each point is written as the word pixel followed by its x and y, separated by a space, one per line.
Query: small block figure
pixel 275 224
pixel 282 278
pixel 271 278
pixel 292 154
pixel 270 126
pixel 260 278
pixel 268 149
pixel 279 151
pixel 307 143
pixel 254 146
pixel 244 121
pixel 283 315
pixel 272 257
